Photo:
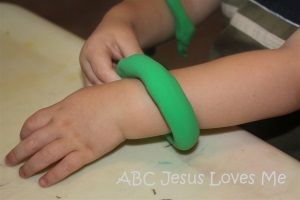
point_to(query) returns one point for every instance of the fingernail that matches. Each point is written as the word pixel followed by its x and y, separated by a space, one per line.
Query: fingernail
pixel 43 182
pixel 22 172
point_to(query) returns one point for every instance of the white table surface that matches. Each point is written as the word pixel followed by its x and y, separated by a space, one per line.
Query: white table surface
pixel 39 66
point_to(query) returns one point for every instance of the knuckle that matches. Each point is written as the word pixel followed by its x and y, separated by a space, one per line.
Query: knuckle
pixel 89 154
pixel 46 156
pixel 103 74
pixel 33 121
pixel 31 145
pixel 100 74
pixel 30 123
pixel 68 167
pixel 88 47
pixel 63 123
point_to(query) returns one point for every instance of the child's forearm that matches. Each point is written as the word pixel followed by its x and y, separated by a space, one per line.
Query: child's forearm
pixel 243 88
pixel 151 21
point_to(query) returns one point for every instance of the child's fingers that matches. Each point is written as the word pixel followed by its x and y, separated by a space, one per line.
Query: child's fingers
pixel 36 141
pixel 50 154
pixel 102 68
pixel 91 78
pixel 71 163
pixel 36 121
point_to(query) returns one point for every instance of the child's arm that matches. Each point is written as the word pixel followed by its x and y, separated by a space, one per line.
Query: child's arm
pixel 245 87
pixel 130 26
pixel 94 120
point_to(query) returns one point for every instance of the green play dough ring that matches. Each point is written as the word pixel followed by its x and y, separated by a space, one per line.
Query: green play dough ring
pixel 168 95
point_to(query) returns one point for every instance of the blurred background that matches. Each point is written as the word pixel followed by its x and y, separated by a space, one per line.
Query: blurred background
pixel 82 16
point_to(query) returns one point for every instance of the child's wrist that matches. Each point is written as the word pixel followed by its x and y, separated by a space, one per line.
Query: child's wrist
pixel 139 116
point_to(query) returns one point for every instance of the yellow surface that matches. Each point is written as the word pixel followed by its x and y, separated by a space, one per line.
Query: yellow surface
pixel 39 66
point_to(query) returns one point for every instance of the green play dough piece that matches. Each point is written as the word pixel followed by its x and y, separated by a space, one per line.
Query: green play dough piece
pixel 184 26
pixel 168 95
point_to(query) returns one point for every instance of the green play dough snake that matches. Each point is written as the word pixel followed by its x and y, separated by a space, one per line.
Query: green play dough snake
pixel 184 27
pixel 168 95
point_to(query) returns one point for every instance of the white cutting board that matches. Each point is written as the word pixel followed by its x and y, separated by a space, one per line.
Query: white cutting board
pixel 39 66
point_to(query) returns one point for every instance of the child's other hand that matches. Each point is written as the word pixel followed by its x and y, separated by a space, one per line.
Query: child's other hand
pixel 72 133
pixel 113 40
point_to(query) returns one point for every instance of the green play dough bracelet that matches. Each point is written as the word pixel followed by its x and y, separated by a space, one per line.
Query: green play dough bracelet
pixel 168 96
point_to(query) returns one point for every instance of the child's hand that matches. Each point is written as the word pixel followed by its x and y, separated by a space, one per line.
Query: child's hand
pixel 83 127
pixel 113 40
pixel 73 132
